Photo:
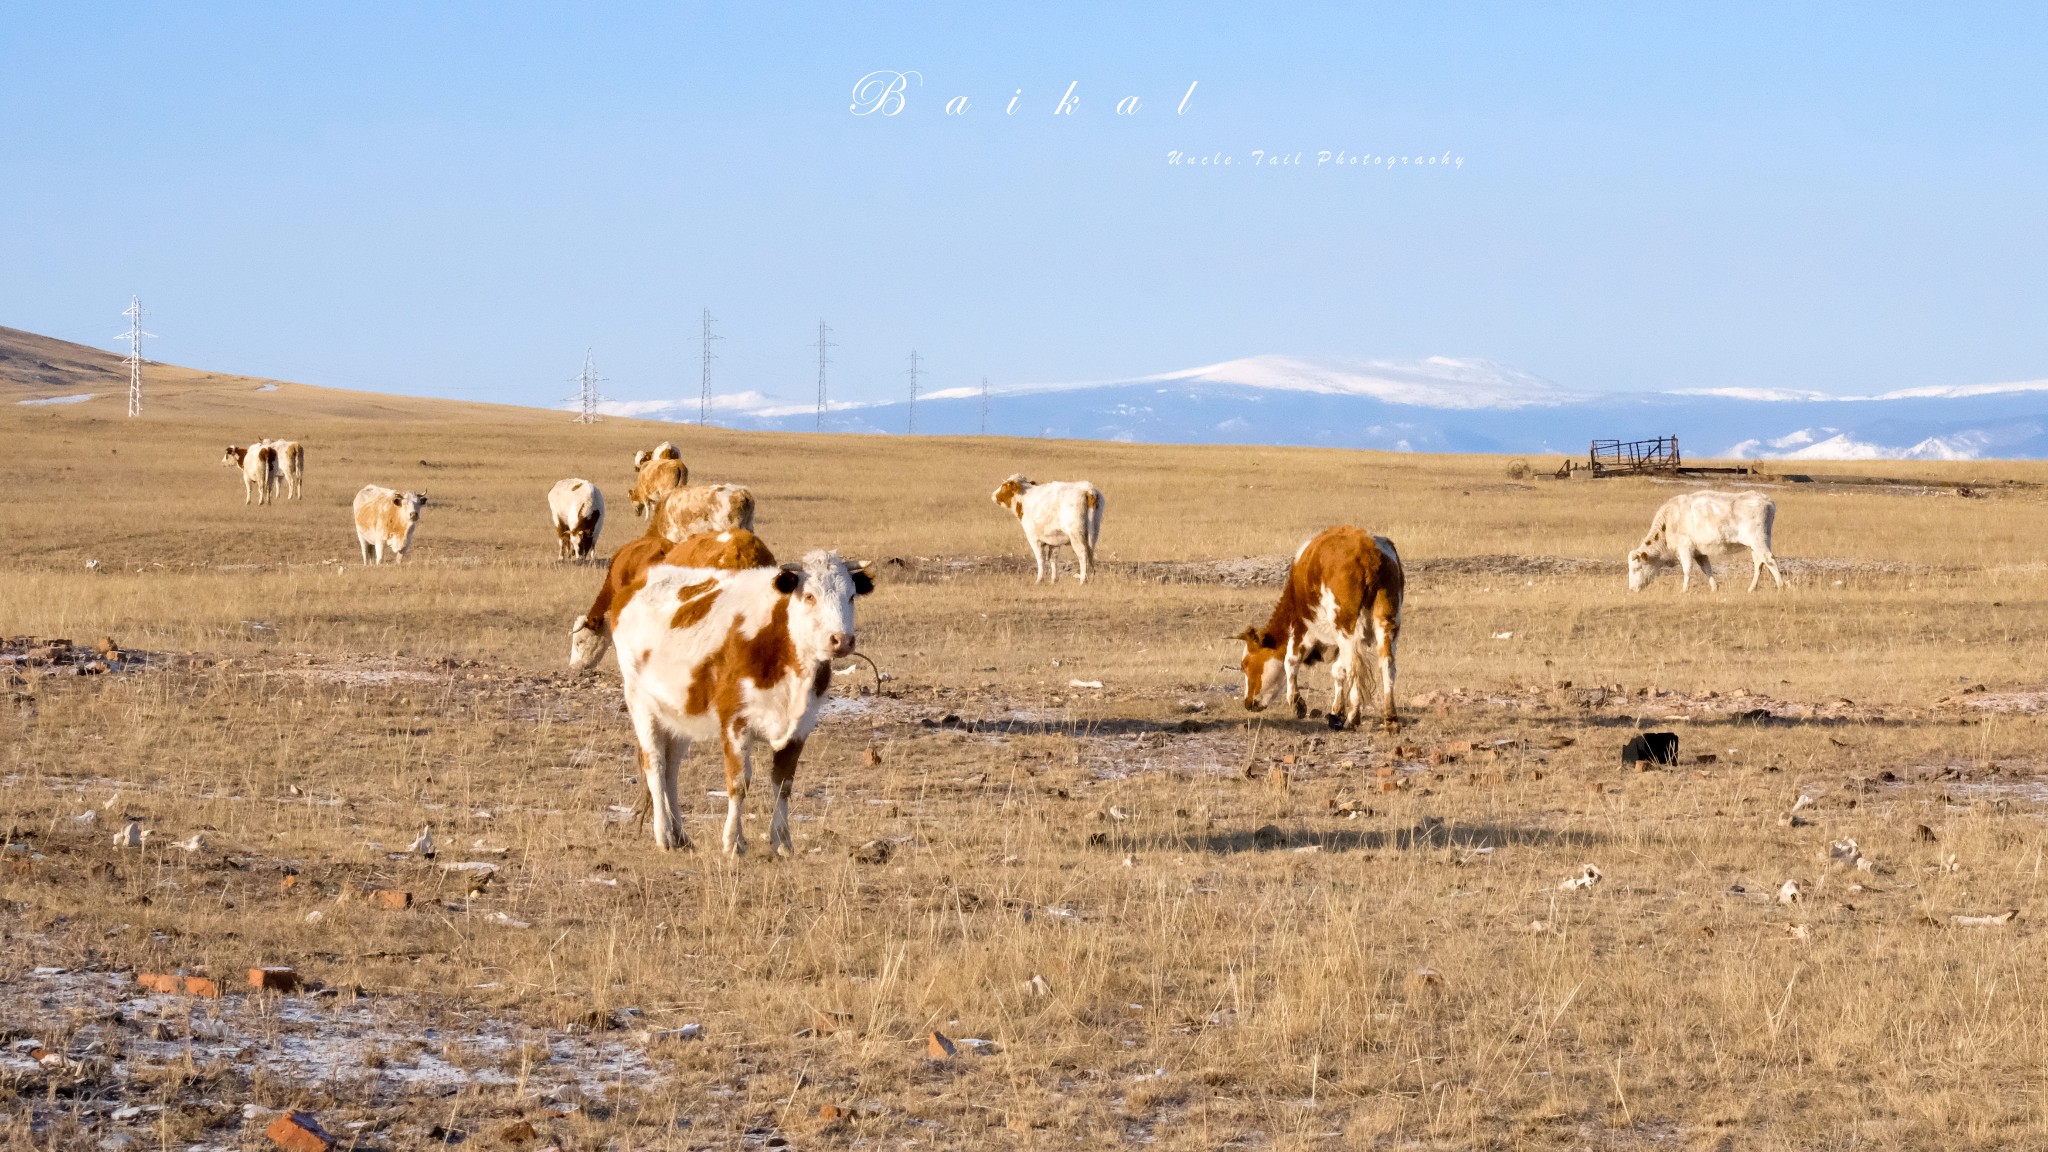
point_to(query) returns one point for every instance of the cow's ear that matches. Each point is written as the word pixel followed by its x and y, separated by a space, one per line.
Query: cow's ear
pixel 863 581
pixel 397 500
pixel 788 580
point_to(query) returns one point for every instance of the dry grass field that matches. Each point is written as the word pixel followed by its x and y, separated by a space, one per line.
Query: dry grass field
pixel 1159 923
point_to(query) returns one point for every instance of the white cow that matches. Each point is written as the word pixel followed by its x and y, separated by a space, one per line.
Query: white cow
pixel 577 508
pixel 743 658
pixel 1054 513
pixel 291 467
pixel 385 520
pixel 1692 524
pixel 259 468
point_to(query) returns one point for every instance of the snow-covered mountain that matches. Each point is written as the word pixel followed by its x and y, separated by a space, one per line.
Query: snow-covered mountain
pixel 1440 405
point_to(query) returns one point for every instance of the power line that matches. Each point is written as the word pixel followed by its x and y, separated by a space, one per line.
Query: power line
pixel 704 398
pixel 587 397
pixel 913 393
pixel 984 405
pixel 822 361
pixel 134 336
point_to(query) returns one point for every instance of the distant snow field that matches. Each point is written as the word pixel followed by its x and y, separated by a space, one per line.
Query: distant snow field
pixel 79 399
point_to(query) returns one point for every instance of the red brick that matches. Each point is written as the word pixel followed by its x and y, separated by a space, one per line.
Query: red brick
pixel 298 1132
pixel 832 1112
pixel 275 979
pixel 938 1047
pixel 202 987
pixel 161 982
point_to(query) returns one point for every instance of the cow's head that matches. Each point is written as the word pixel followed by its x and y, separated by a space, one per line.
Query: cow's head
pixel 588 642
pixel 641 458
pixel 821 592
pixel 233 456
pixel 1642 568
pixel 1011 494
pixel 409 505
pixel 1261 667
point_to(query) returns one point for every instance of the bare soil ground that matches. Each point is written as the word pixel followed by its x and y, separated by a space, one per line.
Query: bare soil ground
pixel 1044 830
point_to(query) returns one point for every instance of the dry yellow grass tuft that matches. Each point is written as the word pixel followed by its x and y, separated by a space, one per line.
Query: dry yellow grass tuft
pixel 1133 915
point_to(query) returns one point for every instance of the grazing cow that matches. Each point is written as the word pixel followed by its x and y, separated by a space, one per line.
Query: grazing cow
pixel 658 477
pixel 291 467
pixel 693 510
pixel 1054 513
pixel 385 520
pixel 1692 524
pixel 577 508
pixel 743 658
pixel 590 637
pixel 1342 582
pixel 661 451
pixel 258 465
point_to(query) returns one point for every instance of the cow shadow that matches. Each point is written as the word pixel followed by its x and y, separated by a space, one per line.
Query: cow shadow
pixel 1429 833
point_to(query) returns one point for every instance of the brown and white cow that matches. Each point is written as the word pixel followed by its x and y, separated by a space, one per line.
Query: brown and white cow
pixel 590 637
pixel 743 658
pixel 291 467
pixel 657 478
pixel 662 451
pixel 695 509
pixel 577 509
pixel 1054 513
pixel 1343 584
pixel 385 521
pixel 259 468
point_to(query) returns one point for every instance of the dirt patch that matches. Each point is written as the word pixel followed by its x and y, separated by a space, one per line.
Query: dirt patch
pixel 92 1049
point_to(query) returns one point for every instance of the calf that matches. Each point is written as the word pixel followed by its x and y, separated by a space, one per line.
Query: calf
pixel 1058 512
pixel 693 510
pixel 258 465
pixel 590 637
pixel 744 658
pixel 657 478
pixel 1692 524
pixel 385 520
pixel 1341 583
pixel 577 509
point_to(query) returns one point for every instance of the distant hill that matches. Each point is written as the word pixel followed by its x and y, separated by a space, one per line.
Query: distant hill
pixel 1447 405
pixel 40 370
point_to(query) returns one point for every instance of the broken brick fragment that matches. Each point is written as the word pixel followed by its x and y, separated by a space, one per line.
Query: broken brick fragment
pixel 299 1132
pixel 938 1047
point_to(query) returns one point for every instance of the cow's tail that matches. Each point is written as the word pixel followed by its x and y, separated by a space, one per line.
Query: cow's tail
pixel 1770 518
pixel 1094 513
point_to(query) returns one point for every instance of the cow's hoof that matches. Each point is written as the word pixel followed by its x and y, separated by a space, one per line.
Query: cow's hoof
pixel 1337 723
pixel 1300 710
pixel 1391 724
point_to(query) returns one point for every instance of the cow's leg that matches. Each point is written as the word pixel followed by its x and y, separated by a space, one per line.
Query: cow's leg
pixel 1341 689
pixel 1052 564
pixel 1387 632
pixel 1037 558
pixel 364 545
pixel 1762 559
pixel 661 754
pixel 1290 679
pixel 1707 566
pixel 783 776
pixel 1084 553
pixel 738 773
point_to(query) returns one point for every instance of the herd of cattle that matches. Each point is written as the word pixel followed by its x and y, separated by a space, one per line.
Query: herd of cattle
pixel 716 641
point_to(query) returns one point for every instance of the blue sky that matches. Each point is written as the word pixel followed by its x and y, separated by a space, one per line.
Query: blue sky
pixel 457 200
